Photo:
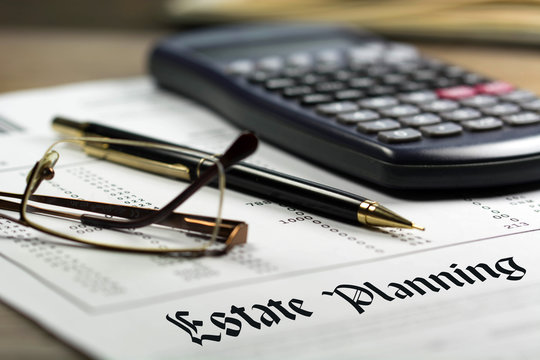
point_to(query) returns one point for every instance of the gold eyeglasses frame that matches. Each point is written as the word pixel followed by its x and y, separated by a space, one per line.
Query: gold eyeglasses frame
pixel 228 232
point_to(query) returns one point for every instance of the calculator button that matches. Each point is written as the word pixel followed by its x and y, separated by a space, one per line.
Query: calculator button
pixel 461 114
pixel 480 101
pixel 407 67
pixel 260 76
pixel 295 91
pixel 343 75
pixel 501 109
pixel 314 99
pixel 413 86
pixel 294 72
pixel 378 125
pixel 443 82
pixel 393 79
pixel 328 56
pixel 361 82
pixel 301 60
pixel 420 120
pixel 456 92
pixel 349 94
pixel 377 70
pixel 473 79
pixel 279 83
pixel 483 124
pixel 519 96
pixel 271 63
pixel 418 97
pixel 374 46
pixel 453 71
pixel 379 90
pixel 357 116
pixel 368 53
pixel 495 88
pixel 311 79
pixel 326 68
pixel 400 110
pixel 442 129
pixel 525 118
pixel 337 107
pixel 358 61
pixel 240 67
pixel 434 64
pixel 399 135
pixel 531 105
pixel 424 75
pixel 378 102
pixel 398 52
pixel 440 105
pixel 329 86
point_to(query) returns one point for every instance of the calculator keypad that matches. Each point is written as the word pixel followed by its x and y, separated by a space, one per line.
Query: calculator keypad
pixel 390 92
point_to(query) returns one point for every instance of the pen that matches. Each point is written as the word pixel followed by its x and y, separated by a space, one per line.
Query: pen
pixel 246 178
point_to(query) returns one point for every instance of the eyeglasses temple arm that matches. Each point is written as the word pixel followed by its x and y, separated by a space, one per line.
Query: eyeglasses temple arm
pixel 231 232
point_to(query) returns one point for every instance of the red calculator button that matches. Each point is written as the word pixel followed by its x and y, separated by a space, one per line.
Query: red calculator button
pixel 495 88
pixel 456 92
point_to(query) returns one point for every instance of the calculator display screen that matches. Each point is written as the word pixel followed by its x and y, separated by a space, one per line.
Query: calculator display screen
pixel 270 48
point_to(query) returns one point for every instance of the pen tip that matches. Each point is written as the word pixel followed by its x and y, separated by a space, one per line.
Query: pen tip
pixel 374 214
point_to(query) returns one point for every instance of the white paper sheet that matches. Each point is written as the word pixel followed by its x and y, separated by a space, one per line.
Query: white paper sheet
pixel 309 287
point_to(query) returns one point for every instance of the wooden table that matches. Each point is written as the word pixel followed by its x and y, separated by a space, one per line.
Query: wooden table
pixel 35 58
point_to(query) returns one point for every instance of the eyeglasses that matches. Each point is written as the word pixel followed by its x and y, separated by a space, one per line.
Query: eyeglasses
pixel 135 224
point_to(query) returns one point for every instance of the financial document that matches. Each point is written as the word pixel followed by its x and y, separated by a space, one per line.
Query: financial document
pixel 302 287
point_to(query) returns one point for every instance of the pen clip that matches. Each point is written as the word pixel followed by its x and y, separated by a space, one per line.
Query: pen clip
pixel 177 171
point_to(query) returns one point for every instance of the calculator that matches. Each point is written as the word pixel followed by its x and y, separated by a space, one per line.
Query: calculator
pixel 359 105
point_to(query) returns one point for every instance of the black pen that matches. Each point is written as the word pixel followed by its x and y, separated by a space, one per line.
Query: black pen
pixel 243 177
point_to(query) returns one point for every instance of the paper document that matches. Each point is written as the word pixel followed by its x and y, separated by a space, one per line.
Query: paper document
pixel 303 287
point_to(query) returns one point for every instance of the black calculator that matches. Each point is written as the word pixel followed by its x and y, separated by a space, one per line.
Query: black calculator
pixel 358 104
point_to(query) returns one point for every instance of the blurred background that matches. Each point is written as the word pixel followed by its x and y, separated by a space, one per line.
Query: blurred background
pixel 494 20
pixel 58 41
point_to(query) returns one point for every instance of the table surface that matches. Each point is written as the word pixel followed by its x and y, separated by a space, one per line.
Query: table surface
pixel 36 58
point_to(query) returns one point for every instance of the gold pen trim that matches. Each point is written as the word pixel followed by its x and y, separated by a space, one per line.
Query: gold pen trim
pixel 374 214
pixel 178 171
pixel 69 127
